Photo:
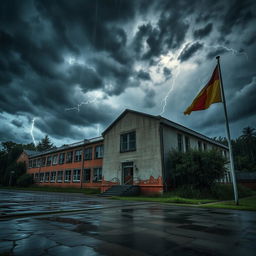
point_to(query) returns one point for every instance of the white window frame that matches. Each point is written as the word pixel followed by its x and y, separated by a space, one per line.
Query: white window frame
pixel 68 176
pixel 97 174
pixel 76 175
pixel 58 176
pixel 53 175
pixel 128 142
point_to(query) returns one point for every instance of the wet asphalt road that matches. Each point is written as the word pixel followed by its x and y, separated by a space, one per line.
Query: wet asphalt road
pixel 109 227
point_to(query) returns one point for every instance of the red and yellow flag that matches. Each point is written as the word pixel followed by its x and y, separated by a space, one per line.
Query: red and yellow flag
pixel 210 94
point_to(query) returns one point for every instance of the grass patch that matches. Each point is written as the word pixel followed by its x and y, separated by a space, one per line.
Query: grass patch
pixel 248 204
pixel 217 192
pixel 87 191
pixel 163 199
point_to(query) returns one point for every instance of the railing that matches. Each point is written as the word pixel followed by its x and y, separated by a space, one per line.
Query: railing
pixel 127 182
pixel 116 180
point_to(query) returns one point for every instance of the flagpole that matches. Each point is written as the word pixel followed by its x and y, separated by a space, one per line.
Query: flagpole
pixel 228 136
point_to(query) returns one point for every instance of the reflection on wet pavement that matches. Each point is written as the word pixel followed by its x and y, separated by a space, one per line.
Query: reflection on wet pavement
pixel 124 228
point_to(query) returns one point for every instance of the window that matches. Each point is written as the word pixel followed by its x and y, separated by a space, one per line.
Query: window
pixel 205 146
pixel 98 152
pixel 88 154
pixel 78 155
pixel 180 142
pixel 87 175
pixel 69 157
pixel 43 161
pixel 76 175
pixel 36 177
pixel 128 142
pixel 47 177
pixel 62 158
pixel 67 175
pixel 97 174
pixel 29 163
pixel 199 145
pixel 34 163
pixel 60 176
pixel 55 159
pixel 49 160
pixel 187 143
pixel 225 154
pixel 37 162
pixel 41 177
pixel 53 176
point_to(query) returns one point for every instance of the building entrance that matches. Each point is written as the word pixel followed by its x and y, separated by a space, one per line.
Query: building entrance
pixel 127 173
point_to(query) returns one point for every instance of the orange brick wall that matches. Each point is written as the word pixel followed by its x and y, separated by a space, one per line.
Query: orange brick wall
pixel 23 158
pixel 94 163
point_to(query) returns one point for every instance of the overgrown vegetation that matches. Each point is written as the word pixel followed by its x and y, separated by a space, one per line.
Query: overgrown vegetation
pixel 25 180
pixel 196 170
pixel 10 170
pixel 244 150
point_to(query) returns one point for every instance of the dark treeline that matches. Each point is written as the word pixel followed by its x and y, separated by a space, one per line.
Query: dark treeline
pixel 244 150
pixel 10 170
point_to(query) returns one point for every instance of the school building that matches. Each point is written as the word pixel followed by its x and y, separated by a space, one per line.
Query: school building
pixel 136 150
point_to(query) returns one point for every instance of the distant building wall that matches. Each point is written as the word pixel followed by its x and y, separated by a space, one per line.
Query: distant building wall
pixel 77 173
pixel 23 158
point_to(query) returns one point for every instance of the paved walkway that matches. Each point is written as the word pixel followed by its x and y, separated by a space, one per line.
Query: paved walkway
pixel 108 227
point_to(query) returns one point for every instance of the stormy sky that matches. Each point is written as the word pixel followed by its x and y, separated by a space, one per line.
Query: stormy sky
pixel 74 66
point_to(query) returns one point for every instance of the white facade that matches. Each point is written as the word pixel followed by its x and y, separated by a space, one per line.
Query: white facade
pixel 147 162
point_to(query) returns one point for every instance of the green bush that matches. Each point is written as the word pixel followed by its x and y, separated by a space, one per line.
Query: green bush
pixel 198 170
pixel 25 180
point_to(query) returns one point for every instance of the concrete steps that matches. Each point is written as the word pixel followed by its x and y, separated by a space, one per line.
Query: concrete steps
pixel 122 190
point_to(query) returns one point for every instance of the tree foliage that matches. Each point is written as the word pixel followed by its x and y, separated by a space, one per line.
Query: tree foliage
pixel 44 144
pixel 25 180
pixel 244 150
pixel 195 168
pixel 10 170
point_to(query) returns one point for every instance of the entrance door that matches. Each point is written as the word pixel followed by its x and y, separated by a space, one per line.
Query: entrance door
pixel 127 173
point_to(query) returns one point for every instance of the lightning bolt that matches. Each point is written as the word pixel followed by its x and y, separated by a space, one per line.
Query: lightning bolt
pixel 98 129
pixel 81 104
pixel 164 100
pixel 32 129
pixel 232 50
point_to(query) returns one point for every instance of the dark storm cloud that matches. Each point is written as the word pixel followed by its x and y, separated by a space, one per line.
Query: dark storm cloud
pixel 84 76
pixel 17 123
pixel 143 75
pixel 148 101
pixel 203 32
pixel 247 96
pixel 251 40
pixel 189 50
pixel 162 36
pixel 55 53
pixel 167 73
pixel 216 52
pixel 239 13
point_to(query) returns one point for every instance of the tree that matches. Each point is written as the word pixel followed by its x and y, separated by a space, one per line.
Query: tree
pixel 197 169
pixel 248 133
pixel 45 144
pixel 245 150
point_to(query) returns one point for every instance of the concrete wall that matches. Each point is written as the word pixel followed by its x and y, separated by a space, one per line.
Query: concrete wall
pixel 146 158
